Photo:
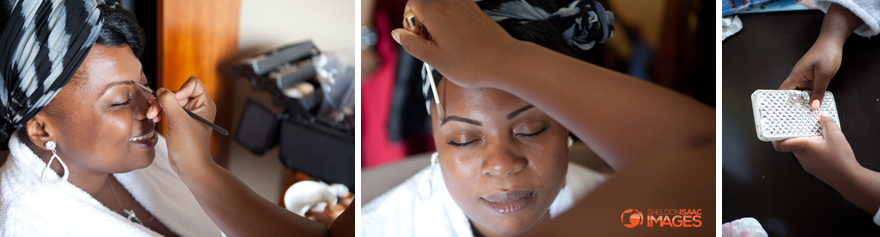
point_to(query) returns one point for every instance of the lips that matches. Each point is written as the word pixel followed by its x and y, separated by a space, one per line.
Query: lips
pixel 148 140
pixel 508 203
pixel 145 137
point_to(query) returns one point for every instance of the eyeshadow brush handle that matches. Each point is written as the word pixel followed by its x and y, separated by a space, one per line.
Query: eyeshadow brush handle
pixel 212 125
pixel 413 24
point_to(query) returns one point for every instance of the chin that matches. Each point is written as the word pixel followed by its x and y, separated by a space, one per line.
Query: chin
pixel 144 160
pixel 512 226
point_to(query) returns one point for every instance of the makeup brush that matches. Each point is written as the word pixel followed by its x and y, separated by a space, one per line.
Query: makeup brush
pixel 191 114
pixel 413 25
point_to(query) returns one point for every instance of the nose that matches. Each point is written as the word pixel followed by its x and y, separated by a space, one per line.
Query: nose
pixel 140 105
pixel 503 160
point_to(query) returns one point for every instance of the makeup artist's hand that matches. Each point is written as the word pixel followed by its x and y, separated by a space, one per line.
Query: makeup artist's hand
pixel 827 157
pixel 466 44
pixel 186 137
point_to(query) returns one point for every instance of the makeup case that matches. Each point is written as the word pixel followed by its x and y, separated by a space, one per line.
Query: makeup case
pixel 318 147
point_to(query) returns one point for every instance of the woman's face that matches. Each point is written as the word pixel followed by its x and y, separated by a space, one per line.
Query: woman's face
pixel 503 160
pixel 99 116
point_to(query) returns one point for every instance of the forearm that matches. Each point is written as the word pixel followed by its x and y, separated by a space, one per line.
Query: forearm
pixel 344 223
pixel 676 181
pixel 838 25
pixel 368 11
pixel 622 118
pixel 238 210
pixel 859 187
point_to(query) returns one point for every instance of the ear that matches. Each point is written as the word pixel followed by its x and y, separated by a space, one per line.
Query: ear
pixel 39 130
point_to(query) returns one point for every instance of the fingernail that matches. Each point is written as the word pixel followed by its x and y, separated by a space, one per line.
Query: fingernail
pixel 815 104
pixel 395 36
pixel 824 114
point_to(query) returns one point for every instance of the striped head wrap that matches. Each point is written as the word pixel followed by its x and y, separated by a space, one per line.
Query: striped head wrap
pixel 582 23
pixel 43 43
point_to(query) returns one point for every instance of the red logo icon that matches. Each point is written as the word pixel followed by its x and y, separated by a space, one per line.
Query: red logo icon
pixel 631 218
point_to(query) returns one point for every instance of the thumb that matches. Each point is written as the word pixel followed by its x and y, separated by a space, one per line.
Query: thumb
pixel 829 127
pixel 414 44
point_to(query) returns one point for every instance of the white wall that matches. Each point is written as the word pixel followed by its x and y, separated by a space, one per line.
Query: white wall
pixel 266 24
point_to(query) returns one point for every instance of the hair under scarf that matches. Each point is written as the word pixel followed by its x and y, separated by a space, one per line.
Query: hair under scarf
pixel 43 42
pixel 582 24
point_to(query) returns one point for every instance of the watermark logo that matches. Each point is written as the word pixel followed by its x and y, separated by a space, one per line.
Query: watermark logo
pixel 631 218
pixel 662 218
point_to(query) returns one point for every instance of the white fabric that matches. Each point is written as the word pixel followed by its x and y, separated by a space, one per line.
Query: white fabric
pixel 401 211
pixel 867 10
pixel 877 217
pixel 746 226
pixel 30 208
pixel 730 25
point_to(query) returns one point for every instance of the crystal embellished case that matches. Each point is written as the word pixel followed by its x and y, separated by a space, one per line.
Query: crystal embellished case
pixel 781 114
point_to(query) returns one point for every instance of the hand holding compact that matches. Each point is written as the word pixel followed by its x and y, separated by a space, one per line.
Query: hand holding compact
pixel 827 157
pixel 815 70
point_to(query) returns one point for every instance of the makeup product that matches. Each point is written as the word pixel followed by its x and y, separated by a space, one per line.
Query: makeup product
pixel 412 24
pixel 191 114
pixel 300 90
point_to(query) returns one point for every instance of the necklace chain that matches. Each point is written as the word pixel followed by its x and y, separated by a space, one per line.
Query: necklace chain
pixel 128 213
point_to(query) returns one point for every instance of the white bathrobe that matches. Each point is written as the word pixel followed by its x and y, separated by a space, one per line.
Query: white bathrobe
pixel 403 212
pixel 30 208
pixel 867 10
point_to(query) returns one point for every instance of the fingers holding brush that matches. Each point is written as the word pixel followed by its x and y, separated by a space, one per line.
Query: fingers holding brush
pixel 194 97
pixel 154 112
pixel 187 138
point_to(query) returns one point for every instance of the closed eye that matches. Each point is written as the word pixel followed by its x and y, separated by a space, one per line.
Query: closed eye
pixel 535 133
pixel 456 144
pixel 122 104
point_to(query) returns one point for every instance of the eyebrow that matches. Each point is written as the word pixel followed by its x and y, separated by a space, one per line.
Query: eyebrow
pixel 513 114
pixel 116 83
pixel 510 116
pixel 460 119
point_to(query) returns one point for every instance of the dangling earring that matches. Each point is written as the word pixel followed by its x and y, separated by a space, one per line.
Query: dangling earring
pixel 44 176
pixel 426 185
pixel 570 141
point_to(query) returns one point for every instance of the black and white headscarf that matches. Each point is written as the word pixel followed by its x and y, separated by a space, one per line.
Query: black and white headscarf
pixel 43 42
pixel 583 23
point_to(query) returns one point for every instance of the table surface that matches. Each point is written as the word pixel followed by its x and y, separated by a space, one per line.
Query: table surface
pixel 771 186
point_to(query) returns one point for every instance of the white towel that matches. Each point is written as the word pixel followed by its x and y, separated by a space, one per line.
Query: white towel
pixel 401 211
pixel 867 10
pixel 30 208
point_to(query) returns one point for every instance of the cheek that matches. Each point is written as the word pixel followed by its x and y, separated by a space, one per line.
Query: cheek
pixel 459 174
pixel 550 161
pixel 111 129
pixel 98 141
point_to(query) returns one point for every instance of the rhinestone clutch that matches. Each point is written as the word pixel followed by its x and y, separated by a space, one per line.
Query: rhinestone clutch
pixel 781 114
